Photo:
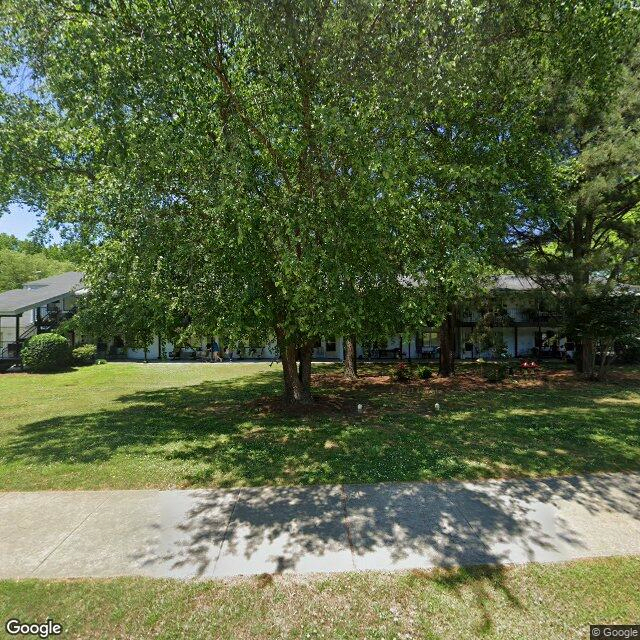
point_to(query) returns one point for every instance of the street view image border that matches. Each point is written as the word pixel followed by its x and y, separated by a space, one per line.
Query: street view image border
pixel 320 319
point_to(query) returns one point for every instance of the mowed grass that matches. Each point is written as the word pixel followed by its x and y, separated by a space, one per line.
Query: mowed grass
pixel 536 602
pixel 131 425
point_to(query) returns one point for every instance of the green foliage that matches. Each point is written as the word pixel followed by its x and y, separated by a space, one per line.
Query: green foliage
pixel 69 251
pixel 603 321
pixel 67 326
pixel 484 334
pixel 126 303
pixel 25 260
pixel 495 371
pixel 579 233
pixel 423 372
pixel 17 268
pixel 46 352
pixel 607 318
pixel 287 169
pixel 401 372
pixel 84 355
pixel 630 350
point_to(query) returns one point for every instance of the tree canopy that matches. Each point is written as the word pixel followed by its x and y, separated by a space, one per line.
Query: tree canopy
pixel 22 261
pixel 288 168
pixel 581 237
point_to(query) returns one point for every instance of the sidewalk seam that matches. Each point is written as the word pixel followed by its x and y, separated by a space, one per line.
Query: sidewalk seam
pixel 344 496
pixel 69 534
pixel 226 530
pixel 473 529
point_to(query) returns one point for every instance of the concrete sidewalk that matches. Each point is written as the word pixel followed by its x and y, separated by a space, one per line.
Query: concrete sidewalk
pixel 217 533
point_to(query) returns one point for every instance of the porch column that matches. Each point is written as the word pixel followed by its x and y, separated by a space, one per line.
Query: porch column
pixel 17 335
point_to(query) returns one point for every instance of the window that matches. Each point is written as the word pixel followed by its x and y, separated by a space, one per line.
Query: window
pixel 330 344
pixel 428 344
pixel 431 339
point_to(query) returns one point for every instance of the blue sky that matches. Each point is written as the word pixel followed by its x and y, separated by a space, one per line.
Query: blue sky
pixel 18 222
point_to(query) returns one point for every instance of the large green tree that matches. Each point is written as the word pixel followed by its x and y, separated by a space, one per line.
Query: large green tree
pixel 265 163
pixel 579 236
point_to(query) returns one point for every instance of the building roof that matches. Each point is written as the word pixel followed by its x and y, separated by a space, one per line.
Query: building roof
pixel 39 292
pixel 512 282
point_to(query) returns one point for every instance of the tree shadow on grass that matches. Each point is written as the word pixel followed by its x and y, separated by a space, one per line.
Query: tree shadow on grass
pixel 482 581
pixel 216 433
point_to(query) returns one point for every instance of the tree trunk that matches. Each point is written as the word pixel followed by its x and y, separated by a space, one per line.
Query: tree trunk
pixel 287 378
pixel 446 364
pixel 297 384
pixel 588 358
pixel 304 372
pixel 577 356
pixel 350 360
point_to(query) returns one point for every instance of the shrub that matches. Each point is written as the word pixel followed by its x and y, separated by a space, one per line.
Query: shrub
pixel 46 352
pixel 401 373
pixel 495 371
pixel 423 372
pixel 84 355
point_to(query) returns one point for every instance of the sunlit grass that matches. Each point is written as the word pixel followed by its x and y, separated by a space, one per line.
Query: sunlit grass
pixel 534 602
pixel 133 425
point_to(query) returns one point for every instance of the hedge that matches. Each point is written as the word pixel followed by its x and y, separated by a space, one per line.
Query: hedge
pixel 84 355
pixel 46 352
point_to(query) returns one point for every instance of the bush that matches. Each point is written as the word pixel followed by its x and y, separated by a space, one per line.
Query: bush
pixel 84 355
pixel 495 371
pixel 46 352
pixel 401 373
pixel 423 372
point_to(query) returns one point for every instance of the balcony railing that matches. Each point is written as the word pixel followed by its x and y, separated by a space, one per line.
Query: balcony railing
pixel 519 316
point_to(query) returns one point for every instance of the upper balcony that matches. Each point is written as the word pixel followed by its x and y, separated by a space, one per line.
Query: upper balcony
pixel 518 316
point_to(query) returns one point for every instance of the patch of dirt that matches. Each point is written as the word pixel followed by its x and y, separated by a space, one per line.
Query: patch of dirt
pixel 337 380
pixel 344 395
pixel 322 405
pixel 473 381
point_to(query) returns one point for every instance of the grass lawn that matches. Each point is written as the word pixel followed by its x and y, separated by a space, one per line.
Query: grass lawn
pixel 537 602
pixel 128 425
